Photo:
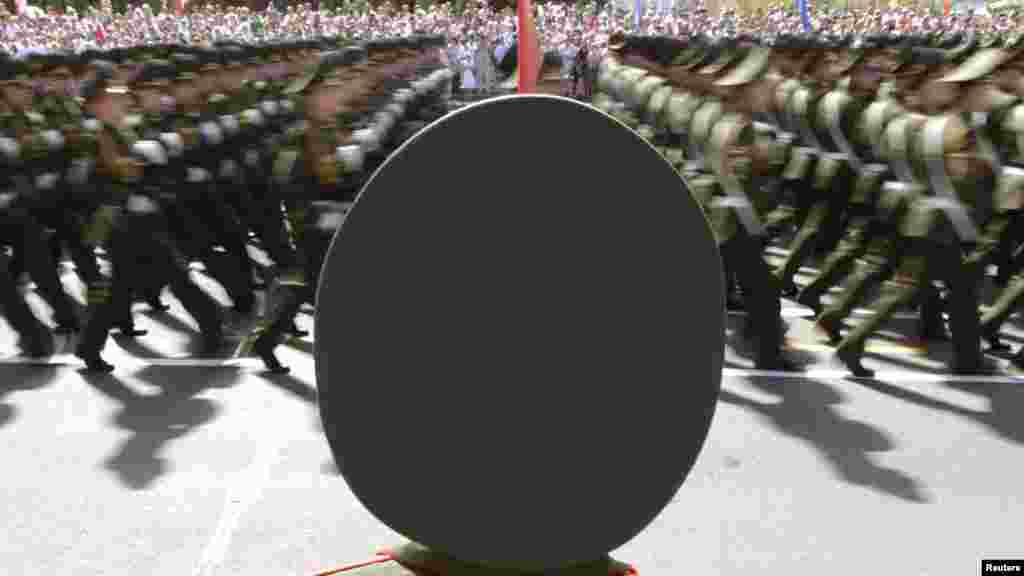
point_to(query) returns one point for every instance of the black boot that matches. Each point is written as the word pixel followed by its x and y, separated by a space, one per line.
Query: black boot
pixel 264 348
pixel 94 363
pixel 851 360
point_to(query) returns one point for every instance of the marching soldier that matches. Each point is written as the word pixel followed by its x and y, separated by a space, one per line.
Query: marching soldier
pixel 129 221
pixel 741 202
pixel 32 147
pixel 829 188
pixel 955 218
pixel 843 114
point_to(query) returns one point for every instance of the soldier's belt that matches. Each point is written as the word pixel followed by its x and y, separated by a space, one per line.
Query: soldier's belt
pixel 350 158
pixel 269 107
pixel 330 221
pixel 47 181
pixel 6 199
pixel 79 171
pixel 197 175
pixel 903 187
pixel 173 143
pixel 252 158
pixel 139 204
pixel 10 150
pixel 228 169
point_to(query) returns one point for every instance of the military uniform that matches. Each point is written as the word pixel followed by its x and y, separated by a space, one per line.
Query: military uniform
pixel 821 174
pixel 701 134
pixel 130 222
pixel 842 115
pixel 319 178
pixel 32 149
pixel 935 231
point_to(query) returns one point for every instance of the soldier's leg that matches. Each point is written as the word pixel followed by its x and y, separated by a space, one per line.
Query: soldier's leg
pixel 108 300
pixel 315 251
pixel 733 298
pixel 1003 256
pixel 761 299
pixel 884 253
pixel 964 281
pixel 801 247
pixel 230 234
pixel 201 306
pixel 188 233
pixel 194 236
pixel 33 337
pixel 899 292
pixel 41 267
pixel 1006 303
pixel 838 264
pixel 291 287
pixel 287 300
pixel 82 256
pixel 268 223
pixel 931 325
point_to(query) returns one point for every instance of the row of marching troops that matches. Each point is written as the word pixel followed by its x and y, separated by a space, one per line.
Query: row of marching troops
pixel 898 160
pixel 141 162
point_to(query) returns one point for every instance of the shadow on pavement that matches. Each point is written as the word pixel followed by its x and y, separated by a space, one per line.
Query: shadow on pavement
pixel 155 420
pixel 292 385
pixel 135 347
pixel 1006 403
pixel 805 412
pixel 168 320
pixel 22 377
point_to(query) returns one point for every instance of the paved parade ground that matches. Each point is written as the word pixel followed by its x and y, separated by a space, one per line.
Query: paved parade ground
pixel 178 467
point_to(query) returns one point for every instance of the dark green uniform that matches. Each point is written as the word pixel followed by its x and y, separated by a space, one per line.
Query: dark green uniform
pixel 937 227
pixel 130 223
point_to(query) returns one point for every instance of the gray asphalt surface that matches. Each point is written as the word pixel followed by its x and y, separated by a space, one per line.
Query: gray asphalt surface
pixel 183 468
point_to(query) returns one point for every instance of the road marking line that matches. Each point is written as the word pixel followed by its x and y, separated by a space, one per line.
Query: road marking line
pixel 245 491
pixel 881 376
pixel 801 312
pixel 70 361
pixel 880 348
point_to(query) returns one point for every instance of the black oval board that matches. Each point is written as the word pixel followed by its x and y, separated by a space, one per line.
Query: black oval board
pixel 519 335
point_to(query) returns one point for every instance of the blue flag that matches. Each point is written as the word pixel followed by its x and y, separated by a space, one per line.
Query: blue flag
pixel 804 17
pixel 638 5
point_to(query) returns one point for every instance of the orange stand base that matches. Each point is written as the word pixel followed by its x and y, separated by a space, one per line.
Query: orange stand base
pixel 385 556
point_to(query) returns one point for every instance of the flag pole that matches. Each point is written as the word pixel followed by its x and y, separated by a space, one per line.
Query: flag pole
pixel 520 43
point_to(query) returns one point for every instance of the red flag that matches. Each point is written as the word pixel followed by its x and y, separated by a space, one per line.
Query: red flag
pixel 529 50
pixel 179 7
pixel 99 34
